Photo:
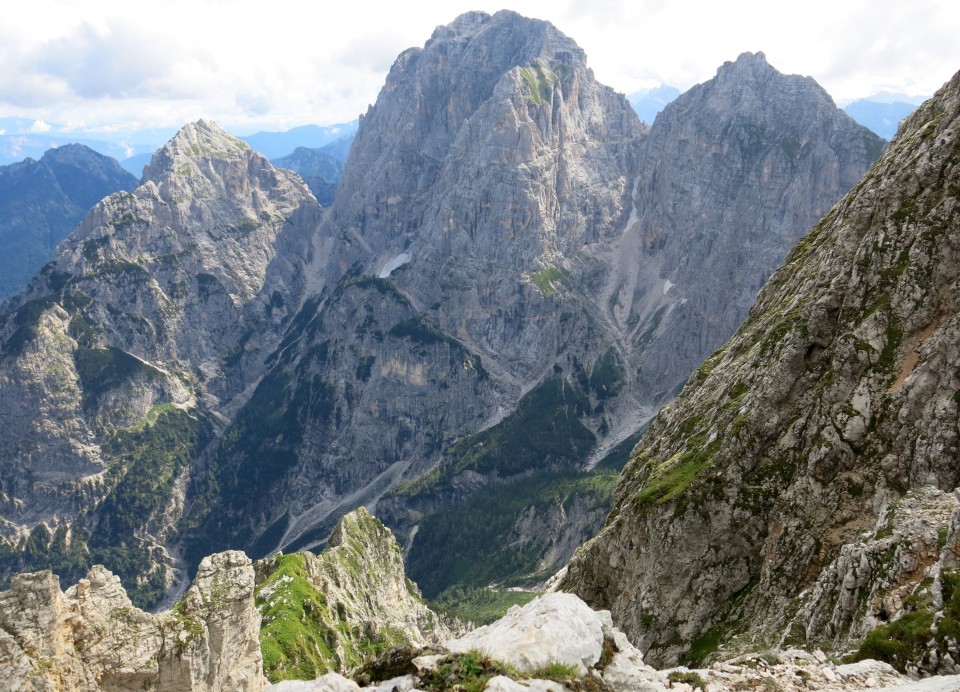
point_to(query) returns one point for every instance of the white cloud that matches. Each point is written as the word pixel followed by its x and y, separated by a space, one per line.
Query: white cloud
pixel 110 64
pixel 40 126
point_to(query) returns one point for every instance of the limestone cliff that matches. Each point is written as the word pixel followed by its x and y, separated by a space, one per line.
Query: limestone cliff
pixel 514 275
pixel 792 490
pixel 334 610
pixel 732 173
pixel 91 638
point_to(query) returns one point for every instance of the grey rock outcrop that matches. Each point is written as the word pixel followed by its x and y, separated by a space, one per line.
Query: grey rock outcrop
pixel 554 627
pixel 833 401
pixel 92 638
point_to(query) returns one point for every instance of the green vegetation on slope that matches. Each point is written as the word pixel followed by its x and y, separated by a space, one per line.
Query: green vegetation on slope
pixel 150 459
pixel 530 462
pixel 543 432
pixel 295 620
pixel 480 605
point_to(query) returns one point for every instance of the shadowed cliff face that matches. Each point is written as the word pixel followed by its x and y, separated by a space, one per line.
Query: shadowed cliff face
pixel 796 458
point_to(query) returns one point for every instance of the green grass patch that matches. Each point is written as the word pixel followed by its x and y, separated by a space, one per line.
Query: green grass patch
pixel 908 641
pixel 467 672
pixel 687 677
pixel 549 280
pixel 670 480
pixel 295 617
pixel 152 416
pixel 556 671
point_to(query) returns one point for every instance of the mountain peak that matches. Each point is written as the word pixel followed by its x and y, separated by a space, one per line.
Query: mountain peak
pixel 198 140
pixel 507 33
pixel 206 138
pixel 758 59
pixel 468 21
pixel 747 63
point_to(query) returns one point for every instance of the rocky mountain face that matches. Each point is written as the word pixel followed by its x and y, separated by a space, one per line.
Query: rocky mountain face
pixel 513 292
pixel 708 238
pixel 515 274
pixel 91 638
pixel 121 358
pixel 42 201
pixel 800 490
pixel 309 614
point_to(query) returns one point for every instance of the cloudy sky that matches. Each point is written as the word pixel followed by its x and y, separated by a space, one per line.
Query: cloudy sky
pixel 272 65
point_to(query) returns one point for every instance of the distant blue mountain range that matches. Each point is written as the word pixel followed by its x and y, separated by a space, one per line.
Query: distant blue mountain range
pixel 881 117
pixel 21 138
pixel 648 102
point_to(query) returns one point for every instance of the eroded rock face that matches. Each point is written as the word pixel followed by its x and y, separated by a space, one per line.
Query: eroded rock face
pixel 833 401
pixel 92 638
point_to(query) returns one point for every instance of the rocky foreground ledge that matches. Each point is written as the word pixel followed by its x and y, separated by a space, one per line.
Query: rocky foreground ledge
pixel 92 638
pixel 556 643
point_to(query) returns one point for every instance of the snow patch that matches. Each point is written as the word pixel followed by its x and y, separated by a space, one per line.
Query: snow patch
pixel 393 264
pixel 667 285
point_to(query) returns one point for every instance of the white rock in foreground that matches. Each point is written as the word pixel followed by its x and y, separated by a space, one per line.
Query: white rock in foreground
pixel 556 627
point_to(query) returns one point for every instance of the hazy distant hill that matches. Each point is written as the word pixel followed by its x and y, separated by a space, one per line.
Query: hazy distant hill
pixel 881 117
pixel 320 171
pixel 276 144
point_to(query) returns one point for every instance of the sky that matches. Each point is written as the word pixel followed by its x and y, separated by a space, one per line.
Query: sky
pixel 118 66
